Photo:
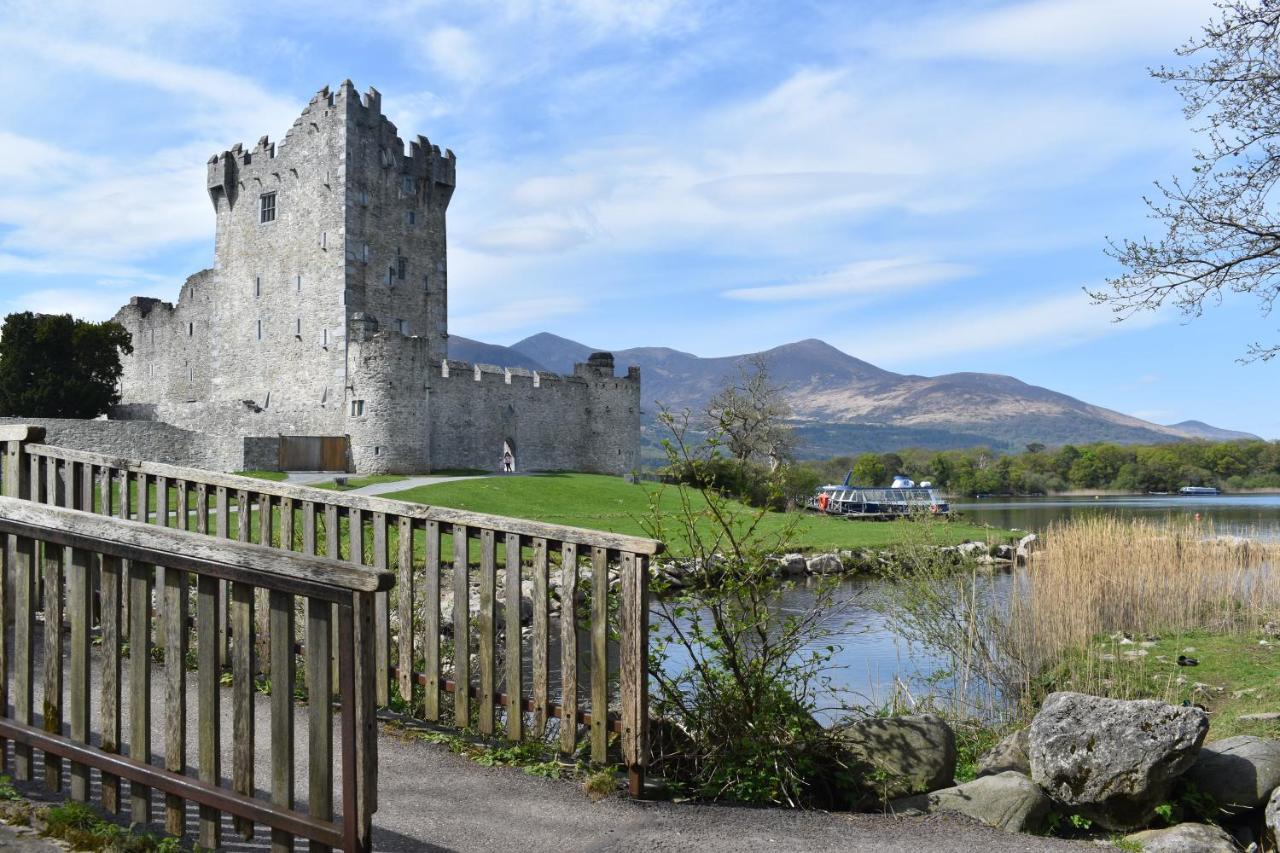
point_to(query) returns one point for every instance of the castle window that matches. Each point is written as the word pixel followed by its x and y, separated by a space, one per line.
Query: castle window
pixel 426 282
pixel 357 408
pixel 324 338
pixel 408 183
pixel 191 329
pixel 411 218
pixel 297 328
pixel 191 375
pixel 298 282
pixel 257 286
pixel 364 253
pixel 266 404
pixel 402 326
pixel 324 239
pixel 259 330
pixel 391 275
pixel 377 450
pixel 402 265
pixel 268 209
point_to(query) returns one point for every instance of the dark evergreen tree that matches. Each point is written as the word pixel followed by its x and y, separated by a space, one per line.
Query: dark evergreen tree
pixel 55 366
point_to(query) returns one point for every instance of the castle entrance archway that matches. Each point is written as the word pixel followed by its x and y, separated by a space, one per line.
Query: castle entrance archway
pixel 508 457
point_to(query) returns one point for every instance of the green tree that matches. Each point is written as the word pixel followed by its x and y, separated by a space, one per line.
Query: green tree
pixel 55 366
pixel 869 470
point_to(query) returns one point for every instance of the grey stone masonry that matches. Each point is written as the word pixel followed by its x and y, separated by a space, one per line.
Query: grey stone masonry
pixel 325 314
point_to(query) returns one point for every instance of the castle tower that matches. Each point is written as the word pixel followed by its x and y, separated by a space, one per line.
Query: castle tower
pixel 325 317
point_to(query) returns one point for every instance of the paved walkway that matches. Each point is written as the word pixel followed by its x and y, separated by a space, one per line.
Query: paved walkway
pixel 310 478
pixel 433 800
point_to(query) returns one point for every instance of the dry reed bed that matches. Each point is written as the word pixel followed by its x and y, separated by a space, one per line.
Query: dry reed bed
pixel 1100 575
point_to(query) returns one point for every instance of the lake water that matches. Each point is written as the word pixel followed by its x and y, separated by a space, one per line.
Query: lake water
pixel 872 659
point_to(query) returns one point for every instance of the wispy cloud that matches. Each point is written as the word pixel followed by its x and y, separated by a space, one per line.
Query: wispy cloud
pixel 885 277
pixel 1047 322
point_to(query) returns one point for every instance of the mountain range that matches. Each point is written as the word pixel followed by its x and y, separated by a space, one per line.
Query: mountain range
pixel 843 405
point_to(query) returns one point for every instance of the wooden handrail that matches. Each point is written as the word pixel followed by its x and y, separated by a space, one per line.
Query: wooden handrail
pixel 222 558
pixel 364 503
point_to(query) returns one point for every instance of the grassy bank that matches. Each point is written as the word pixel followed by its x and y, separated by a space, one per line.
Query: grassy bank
pixel 608 503
pixel 359 482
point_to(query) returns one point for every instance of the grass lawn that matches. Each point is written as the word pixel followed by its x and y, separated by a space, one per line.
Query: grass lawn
pixel 1236 675
pixel 608 503
pixel 278 476
pixel 360 482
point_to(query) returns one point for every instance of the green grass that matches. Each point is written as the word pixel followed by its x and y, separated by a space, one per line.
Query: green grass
pixel 1236 675
pixel 278 476
pixel 609 503
pixel 360 482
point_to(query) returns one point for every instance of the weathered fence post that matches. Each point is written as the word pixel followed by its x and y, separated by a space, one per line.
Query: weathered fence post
pixel 16 592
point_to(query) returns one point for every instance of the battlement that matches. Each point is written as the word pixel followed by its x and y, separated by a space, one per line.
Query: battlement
pixel 595 371
pixel 341 108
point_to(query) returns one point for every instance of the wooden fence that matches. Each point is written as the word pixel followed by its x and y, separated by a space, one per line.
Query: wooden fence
pixel 448 637
pixel 98 575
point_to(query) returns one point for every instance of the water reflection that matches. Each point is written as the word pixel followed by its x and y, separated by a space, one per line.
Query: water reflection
pixel 872 659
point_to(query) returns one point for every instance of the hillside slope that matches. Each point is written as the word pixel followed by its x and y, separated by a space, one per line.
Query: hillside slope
pixel 843 404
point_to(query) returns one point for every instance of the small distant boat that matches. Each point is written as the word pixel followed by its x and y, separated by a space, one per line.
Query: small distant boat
pixel 904 497
pixel 1199 491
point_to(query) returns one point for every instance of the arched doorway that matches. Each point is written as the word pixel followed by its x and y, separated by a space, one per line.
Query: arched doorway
pixel 508 456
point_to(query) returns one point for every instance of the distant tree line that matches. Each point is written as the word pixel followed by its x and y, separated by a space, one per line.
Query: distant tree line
pixel 1042 470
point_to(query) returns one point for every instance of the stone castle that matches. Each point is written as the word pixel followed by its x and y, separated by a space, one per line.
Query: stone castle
pixel 324 322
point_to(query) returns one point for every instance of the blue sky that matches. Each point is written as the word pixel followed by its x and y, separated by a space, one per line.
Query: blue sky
pixel 927 186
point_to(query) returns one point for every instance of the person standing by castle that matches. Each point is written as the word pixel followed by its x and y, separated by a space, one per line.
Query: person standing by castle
pixel 508 462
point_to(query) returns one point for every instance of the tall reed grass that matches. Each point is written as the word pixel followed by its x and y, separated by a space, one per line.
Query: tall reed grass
pixel 1104 574
pixel 1095 576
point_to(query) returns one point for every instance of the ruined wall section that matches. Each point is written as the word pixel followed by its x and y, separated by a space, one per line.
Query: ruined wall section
pixel 171 344
pixel 553 422
pixel 156 442
pixel 395 224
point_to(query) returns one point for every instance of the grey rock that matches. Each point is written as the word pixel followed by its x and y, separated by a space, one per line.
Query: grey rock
pixel 1271 819
pixel 1261 717
pixel 792 565
pixel 1026 545
pixel 1008 801
pixel 1005 552
pixel 1185 838
pixel 824 564
pixel 1009 754
pixel 1237 773
pixel 916 754
pixel 1110 760
pixel 972 549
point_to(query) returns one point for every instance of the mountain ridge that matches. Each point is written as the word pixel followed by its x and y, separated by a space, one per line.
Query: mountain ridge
pixel 843 404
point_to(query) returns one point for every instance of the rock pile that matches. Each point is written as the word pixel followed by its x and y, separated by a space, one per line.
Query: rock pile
pixel 1124 766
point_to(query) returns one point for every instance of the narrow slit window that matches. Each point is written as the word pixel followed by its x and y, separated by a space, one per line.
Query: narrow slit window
pixel 402 266
pixel 324 239
pixel 426 282
pixel 298 282
pixel 257 286
pixel 391 275
pixel 268 208
pixel 191 329
pixel 324 338
pixel 412 217
pixel 259 330
pixel 297 328
pixel 191 375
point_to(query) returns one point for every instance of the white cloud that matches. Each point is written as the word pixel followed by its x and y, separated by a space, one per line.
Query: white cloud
pixel 1049 31
pixel 454 53
pixel 1052 322
pixel 883 277
pixel 504 315
pixel 555 190
pixel 87 304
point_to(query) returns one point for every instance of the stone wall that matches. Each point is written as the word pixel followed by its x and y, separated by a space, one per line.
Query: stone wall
pixel 142 440
pixel 586 422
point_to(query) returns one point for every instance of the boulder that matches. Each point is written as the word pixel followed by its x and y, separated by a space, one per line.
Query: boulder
pixel 1009 754
pixel 1111 760
pixel 1236 773
pixel 824 564
pixel 1008 801
pixel 792 565
pixel 1271 819
pixel 1026 545
pixel 909 754
pixel 1184 838
pixel 1005 552
pixel 972 549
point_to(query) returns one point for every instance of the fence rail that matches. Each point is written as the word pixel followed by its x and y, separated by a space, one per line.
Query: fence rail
pixel 108 576
pixel 498 624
